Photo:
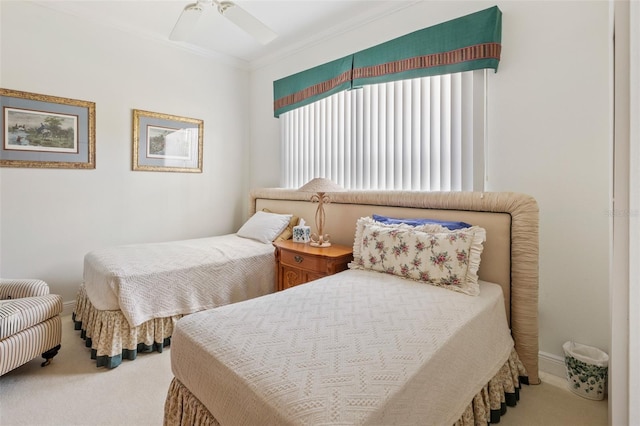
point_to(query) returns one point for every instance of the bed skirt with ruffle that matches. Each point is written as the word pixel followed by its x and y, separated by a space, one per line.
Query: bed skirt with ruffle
pixel 110 336
pixel 503 390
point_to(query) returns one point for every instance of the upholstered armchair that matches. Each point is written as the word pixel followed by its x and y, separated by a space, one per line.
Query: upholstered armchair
pixel 30 323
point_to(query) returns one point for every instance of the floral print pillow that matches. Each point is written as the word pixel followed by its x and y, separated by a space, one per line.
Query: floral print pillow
pixel 368 220
pixel 438 256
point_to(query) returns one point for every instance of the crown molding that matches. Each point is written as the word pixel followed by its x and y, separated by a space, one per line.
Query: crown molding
pixel 368 15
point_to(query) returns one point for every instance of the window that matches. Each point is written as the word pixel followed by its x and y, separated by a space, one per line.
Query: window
pixel 422 134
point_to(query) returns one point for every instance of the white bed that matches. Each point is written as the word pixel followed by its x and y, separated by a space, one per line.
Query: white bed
pixel 366 347
pixel 132 295
pixel 358 347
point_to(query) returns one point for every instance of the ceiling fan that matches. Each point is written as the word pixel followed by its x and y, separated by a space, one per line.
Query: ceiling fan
pixel 250 24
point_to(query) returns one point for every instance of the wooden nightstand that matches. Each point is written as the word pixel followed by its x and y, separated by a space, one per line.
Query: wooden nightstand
pixel 298 263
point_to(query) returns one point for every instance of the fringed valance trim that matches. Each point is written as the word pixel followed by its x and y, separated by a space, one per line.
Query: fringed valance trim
pixel 487 51
pixel 313 84
pixel 503 390
pixel 111 338
pixel 322 88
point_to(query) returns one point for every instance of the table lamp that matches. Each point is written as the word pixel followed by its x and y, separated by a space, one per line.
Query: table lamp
pixel 320 187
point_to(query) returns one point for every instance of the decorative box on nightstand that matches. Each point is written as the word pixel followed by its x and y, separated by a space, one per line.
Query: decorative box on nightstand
pixel 298 263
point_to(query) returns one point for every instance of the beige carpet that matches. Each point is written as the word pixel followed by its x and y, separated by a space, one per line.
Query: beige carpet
pixel 72 391
pixel 552 403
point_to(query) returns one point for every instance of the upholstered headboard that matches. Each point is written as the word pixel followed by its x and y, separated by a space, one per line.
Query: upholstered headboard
pixel 509 257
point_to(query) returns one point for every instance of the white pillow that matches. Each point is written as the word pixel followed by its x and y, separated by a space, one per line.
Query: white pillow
pixel 264 227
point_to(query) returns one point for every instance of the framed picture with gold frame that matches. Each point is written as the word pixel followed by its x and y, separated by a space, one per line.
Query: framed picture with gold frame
pixel 166 143
pixel 46 131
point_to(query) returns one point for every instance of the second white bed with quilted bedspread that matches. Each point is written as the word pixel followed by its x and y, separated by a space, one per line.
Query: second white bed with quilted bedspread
pixel 358 347
pixel 146 281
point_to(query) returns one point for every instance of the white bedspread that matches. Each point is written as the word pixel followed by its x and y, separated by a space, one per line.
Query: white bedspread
pixel 358 347
pixel 158 280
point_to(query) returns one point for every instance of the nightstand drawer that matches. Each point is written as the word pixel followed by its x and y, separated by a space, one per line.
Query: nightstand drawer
pixel 304 261
pixel 300 263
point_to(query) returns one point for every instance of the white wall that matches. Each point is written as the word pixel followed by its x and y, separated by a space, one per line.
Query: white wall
pixel 549 137
pixel 51 217
pixel 548 127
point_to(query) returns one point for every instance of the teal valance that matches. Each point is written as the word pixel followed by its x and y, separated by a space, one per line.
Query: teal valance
pixel 463 44
pixel 313 84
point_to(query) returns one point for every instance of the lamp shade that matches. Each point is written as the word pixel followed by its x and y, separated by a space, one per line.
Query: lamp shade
pixel 320 185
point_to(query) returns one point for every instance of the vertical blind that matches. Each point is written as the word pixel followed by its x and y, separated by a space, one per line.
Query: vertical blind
pixel 419 134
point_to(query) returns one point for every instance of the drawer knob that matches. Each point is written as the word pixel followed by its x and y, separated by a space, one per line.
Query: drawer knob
pixel 298 259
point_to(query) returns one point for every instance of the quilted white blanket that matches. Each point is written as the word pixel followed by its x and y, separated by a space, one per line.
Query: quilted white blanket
pixel 358 347
pixel 158 280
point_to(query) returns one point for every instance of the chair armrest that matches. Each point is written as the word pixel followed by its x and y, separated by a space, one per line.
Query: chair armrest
pixel 18 288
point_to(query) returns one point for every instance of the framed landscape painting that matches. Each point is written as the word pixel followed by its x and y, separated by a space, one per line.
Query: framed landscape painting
pixel 166 143
pixel 46 131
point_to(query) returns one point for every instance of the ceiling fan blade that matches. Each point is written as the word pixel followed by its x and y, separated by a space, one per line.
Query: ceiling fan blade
pixel 186 22
pixel 246 22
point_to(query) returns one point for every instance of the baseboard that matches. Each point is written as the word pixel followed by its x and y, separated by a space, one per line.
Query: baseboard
pixel 68 307
pixel 552 364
